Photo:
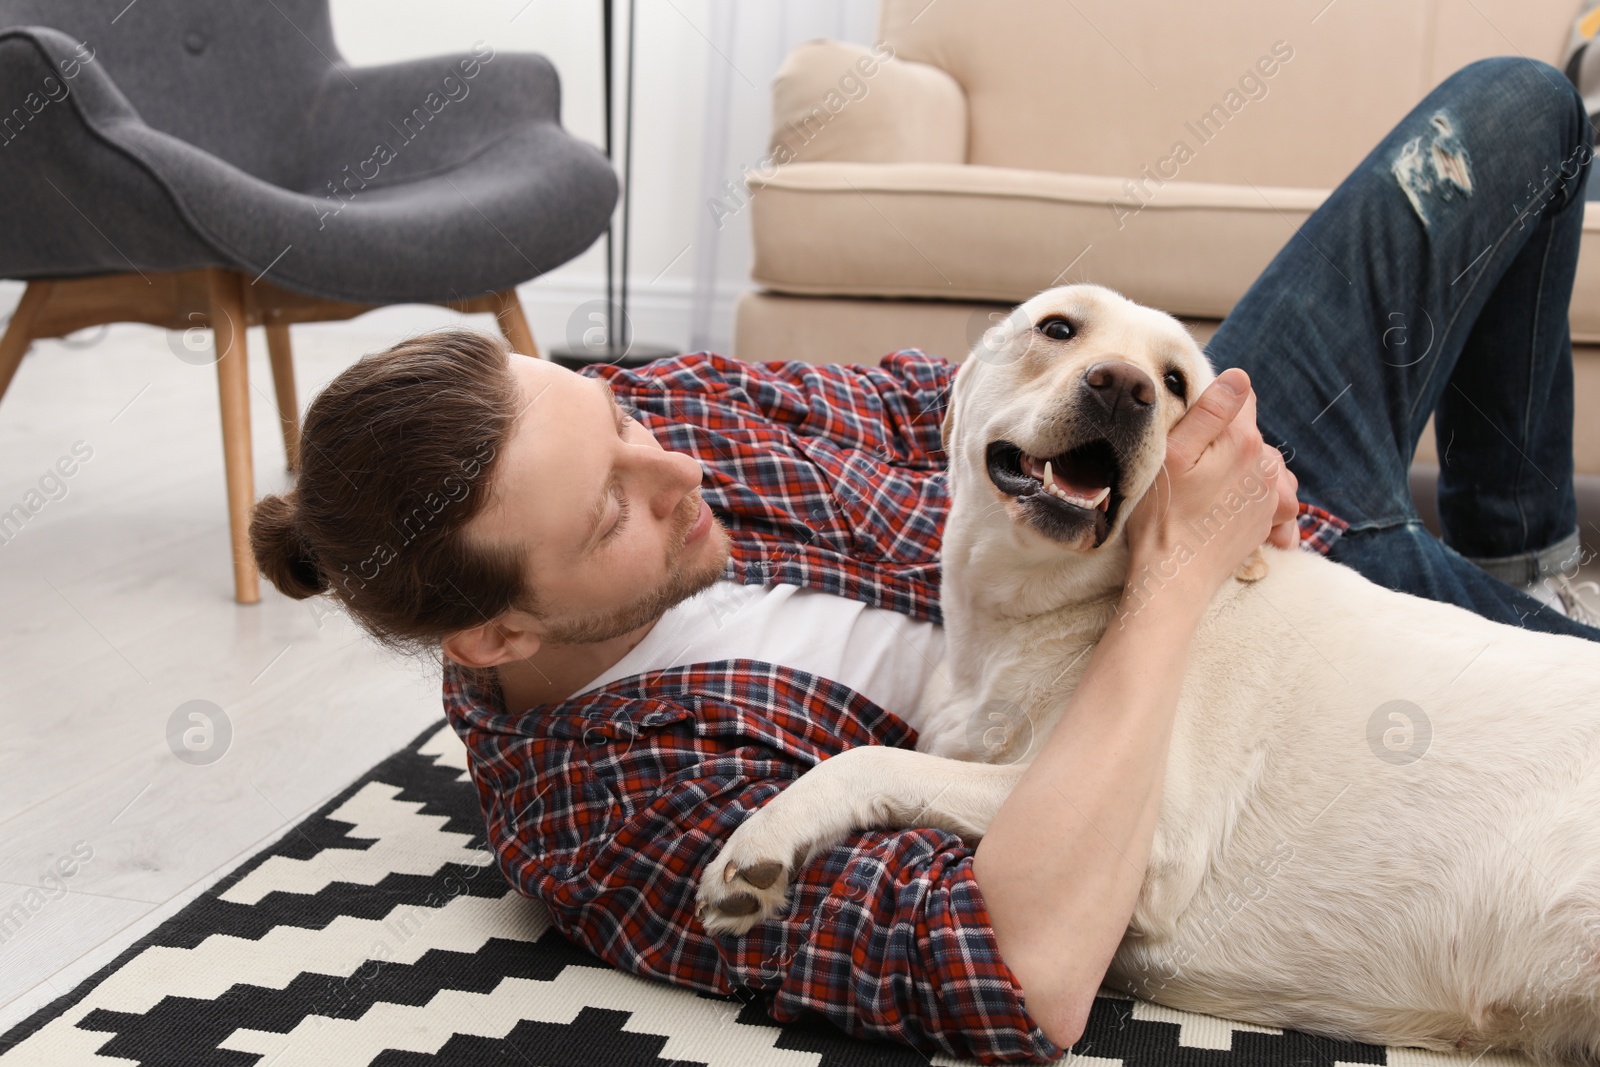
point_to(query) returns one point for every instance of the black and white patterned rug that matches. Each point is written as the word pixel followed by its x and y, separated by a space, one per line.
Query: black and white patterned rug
pixel 379 933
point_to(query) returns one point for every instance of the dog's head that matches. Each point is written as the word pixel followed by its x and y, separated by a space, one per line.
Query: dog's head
pixel 1060 415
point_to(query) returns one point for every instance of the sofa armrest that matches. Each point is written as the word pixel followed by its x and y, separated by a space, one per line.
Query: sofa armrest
pixel 842 102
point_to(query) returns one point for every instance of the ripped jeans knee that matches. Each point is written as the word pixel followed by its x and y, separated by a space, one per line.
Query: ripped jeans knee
pixel 1433 168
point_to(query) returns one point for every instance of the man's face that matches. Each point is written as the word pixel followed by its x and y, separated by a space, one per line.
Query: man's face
pixel 610 525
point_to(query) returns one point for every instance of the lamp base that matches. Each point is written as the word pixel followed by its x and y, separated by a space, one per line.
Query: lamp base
pixel 634 354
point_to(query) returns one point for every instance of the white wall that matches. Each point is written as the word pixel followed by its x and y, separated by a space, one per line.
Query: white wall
pixel 701 85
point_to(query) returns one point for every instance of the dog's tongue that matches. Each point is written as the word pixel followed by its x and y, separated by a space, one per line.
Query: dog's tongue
pixel 1084 495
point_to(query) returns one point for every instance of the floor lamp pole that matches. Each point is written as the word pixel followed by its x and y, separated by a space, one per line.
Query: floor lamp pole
pixel 619 347
pixel 627 180
pixel 606 94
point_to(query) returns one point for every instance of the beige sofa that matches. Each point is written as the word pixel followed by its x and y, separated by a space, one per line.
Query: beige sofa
pixel 987 149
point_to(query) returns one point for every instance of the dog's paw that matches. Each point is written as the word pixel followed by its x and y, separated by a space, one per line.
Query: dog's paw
pixel 743 886
pixel 748 881
pixel 1254 567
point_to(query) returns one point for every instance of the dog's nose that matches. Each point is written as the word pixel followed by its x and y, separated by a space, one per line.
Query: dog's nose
pixel 1120 388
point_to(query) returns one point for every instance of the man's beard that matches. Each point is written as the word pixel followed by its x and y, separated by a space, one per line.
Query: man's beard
pixel 681 584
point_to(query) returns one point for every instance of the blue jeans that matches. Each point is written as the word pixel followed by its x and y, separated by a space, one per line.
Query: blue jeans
pixel 1435 281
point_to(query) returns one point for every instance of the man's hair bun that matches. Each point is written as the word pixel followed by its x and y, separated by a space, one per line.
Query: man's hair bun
pixel 386 450
pixel 281 552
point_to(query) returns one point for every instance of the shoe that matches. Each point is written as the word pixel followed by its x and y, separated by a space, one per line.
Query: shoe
pixel 1560 593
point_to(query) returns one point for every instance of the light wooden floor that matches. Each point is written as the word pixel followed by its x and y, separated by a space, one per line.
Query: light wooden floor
pixel 115 609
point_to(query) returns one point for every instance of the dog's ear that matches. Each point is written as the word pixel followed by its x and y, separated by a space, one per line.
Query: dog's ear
pixel 947 427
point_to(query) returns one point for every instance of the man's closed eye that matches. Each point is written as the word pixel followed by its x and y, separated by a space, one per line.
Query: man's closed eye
pixel 622 518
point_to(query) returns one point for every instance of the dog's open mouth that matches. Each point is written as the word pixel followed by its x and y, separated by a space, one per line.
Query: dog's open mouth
pixel 1064 492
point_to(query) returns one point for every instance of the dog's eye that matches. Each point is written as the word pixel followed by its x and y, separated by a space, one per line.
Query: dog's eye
pixel 1058 329
pixel 1176 385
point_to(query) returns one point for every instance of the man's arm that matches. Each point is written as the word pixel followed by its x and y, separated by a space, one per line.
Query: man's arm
pixel 611 818
pixel 1060 912
pixel 887 934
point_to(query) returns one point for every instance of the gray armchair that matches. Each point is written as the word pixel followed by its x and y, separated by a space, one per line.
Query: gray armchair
pixel 186 163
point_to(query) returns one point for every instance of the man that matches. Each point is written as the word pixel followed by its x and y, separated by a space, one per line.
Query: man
pixel 549 531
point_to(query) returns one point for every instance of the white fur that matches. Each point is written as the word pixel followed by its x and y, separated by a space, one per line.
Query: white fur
pixel 1296 878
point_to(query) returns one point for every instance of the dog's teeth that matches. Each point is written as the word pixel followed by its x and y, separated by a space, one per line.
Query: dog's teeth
pixel 1047 480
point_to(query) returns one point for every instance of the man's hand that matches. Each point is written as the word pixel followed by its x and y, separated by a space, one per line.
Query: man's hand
pixel 1286 520
pixel 1215 450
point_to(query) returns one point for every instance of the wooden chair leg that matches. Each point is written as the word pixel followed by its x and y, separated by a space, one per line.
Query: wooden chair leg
pixel 19 335
pixel 278 348
pixel 226 293
pixel 514 324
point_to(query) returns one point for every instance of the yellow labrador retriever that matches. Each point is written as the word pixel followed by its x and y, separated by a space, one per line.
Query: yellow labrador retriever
pixel 1317 864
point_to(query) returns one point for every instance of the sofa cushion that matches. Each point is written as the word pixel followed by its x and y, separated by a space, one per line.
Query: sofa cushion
pixel 997 234
pixel 899 112
pixel 961 232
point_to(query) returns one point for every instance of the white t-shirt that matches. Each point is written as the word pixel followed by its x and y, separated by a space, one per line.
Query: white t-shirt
pixel 883 655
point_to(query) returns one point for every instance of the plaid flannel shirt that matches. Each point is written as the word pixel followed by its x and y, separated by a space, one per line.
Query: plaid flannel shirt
pixel 607 806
